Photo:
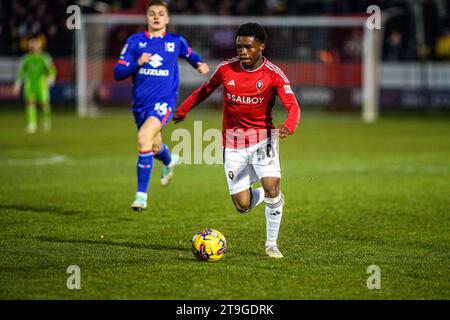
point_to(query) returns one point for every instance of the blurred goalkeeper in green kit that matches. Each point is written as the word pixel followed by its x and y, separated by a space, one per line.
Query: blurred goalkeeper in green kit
pixel 38 73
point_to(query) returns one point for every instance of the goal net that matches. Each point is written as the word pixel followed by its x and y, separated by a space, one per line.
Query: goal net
pixel 331 62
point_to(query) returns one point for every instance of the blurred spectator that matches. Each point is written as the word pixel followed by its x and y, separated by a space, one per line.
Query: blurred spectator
pixel 223 39
pixel 393 48
pixel 443 45
pixel 20 18
pixel 433 26
pixel 177 6
pixel 3 31
pixel 224 8
pixel 275 7
pixel 243 7
pixel 303 47
pixel 352 47
pixel 329 55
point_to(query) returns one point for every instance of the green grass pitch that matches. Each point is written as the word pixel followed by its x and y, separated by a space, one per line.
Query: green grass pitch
pixel 356 195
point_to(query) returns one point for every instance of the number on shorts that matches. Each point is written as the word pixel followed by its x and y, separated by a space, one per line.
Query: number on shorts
pixel 264 152
pixel 161 108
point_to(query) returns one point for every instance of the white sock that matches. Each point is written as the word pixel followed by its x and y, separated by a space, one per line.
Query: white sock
pixel 142 194
pixel 257 197
pixel 274 211
pixel 174 161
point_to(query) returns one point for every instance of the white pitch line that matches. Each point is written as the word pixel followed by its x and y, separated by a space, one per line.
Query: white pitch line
pixel 42 161
pixel 388 168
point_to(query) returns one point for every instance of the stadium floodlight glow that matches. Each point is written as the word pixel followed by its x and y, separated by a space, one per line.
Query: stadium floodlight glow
pixel 92 56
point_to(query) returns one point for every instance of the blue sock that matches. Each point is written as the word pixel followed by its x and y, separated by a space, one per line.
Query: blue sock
pixel 144 170
pixel 164 155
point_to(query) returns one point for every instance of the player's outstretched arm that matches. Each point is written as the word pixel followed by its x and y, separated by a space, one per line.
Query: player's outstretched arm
pixel 192 57
pixel 193 100
pixel 177 118
pixel 202 68
pixel 198 96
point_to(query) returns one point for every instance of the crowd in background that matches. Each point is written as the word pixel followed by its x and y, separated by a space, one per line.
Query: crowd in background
pixel 21 18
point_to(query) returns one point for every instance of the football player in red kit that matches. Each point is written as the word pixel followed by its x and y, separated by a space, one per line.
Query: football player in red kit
pixel 250 86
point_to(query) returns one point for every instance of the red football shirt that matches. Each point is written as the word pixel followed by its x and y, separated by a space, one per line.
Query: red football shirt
pixel 249 97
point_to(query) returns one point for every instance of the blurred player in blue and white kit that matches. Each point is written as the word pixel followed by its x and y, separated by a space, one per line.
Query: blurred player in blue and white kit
pixel 151 59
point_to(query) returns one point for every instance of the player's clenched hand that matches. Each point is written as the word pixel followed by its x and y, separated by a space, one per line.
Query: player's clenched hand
pixel 202 68
pixel 176 118
pixel 51 81
pixel 16 89
pixel 283 132
pixel 145 57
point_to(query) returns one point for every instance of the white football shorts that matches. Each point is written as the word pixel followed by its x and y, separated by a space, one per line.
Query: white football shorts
pixel 243 167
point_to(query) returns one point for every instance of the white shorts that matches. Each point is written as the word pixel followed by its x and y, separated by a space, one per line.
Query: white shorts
pixel 245 166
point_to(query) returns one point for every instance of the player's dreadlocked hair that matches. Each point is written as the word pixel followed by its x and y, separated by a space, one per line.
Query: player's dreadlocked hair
pixel 252 30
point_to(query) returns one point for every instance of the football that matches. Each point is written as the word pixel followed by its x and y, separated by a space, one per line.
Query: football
pixel 209 245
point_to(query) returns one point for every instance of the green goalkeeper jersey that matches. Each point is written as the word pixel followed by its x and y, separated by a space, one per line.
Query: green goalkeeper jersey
pixel 35 70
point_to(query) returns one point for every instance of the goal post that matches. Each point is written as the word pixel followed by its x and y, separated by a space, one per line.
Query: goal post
pixel 371 57
pixel 315 53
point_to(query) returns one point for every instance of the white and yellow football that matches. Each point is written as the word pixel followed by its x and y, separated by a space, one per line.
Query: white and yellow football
pixel 209 245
